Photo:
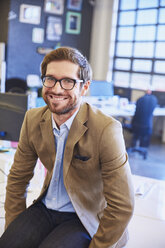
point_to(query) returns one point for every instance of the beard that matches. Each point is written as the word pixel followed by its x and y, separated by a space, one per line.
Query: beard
pixel 55 108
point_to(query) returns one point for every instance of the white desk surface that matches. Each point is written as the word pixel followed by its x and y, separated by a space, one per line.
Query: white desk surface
pixel 128 111
pixel 115 109
pixel 107 107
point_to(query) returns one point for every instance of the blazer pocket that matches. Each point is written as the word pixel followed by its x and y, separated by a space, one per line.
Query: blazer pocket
pixel 83 163
pixel 82 158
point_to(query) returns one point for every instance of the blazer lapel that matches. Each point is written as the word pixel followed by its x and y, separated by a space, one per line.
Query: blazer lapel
pixel 76 132
pixel 48 142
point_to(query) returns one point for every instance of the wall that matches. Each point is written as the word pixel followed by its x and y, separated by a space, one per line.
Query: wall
pixel 100 39
pixel 4 8
pixel 22 58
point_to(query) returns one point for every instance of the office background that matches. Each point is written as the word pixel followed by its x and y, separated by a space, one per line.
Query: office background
pixel 111 42
pixel 22 55
pixel 119 38
pixel 121 41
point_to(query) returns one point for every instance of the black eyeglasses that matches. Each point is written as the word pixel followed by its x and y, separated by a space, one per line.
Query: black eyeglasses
pixel 65 83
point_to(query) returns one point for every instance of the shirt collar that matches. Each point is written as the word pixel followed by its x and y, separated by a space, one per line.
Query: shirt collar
pixel 68 123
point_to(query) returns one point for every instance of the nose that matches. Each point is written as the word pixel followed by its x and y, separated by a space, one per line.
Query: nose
pixel 57 87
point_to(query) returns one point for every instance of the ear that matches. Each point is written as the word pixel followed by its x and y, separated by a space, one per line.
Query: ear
pixel 85 88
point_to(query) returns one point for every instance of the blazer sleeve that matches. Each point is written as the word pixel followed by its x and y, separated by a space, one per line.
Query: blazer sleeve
pixel 20 174
pixel 117 188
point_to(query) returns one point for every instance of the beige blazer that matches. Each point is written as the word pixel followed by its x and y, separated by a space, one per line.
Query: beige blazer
pixel 95 168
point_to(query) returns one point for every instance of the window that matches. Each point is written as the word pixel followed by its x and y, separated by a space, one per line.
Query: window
pixel 124 49
pixel 143 50
pixel 139 54
pixel 159 66
pixel 145 33
pixel 123 64
pixel 128 4
pixel 127 18
pixel 142 65
pixel 126 33
pixel 146 16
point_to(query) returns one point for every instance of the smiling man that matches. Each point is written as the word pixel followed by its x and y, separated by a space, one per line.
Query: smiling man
pixel 87 198
pixel 65 98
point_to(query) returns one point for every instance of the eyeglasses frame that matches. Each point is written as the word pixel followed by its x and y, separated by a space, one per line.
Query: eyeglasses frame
pixel 59 80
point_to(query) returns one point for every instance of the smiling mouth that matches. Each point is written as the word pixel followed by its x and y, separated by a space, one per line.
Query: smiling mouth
pixel 57 98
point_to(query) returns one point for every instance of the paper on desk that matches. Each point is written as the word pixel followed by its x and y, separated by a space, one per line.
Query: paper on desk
pixel 143 189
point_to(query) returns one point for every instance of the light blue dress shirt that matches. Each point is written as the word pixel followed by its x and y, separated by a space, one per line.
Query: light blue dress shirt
pixel 57 197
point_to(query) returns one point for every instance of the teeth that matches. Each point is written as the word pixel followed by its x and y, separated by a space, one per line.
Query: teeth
pixel 57 98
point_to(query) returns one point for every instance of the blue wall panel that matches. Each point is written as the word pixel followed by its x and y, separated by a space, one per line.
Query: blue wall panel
pixel 22 57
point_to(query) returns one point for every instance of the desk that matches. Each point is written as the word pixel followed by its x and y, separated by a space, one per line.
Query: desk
pixel 146 228
pixel 110 107
pixel 114 109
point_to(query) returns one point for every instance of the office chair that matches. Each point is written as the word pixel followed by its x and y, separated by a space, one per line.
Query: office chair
pixel 16 85
pixel 140 139
pixel 139 143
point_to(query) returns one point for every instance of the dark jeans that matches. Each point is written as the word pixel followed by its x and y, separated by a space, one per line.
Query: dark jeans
pixel 39 227
pixel 144 140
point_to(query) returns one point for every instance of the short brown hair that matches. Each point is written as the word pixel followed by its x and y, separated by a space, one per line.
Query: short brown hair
pixel 72 55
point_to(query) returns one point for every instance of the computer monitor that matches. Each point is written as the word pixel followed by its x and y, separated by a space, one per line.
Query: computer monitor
pixel 161 97
pixel 123 92
pixel 101 88
pixel 12 110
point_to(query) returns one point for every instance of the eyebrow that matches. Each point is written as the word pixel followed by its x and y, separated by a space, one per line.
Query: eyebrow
pixel 50 75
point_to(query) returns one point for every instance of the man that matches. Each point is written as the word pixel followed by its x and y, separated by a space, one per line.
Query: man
pixel 141 124
pixel 87 197
pixel 143 117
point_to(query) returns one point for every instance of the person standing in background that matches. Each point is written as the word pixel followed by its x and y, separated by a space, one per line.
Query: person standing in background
pixel 143 118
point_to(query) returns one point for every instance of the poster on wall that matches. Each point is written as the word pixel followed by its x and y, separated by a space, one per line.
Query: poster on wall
pixel 54 28
pixel 30 14
pixel 54 6
pixel 74 4
pixel 73 22
pixel 38 35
